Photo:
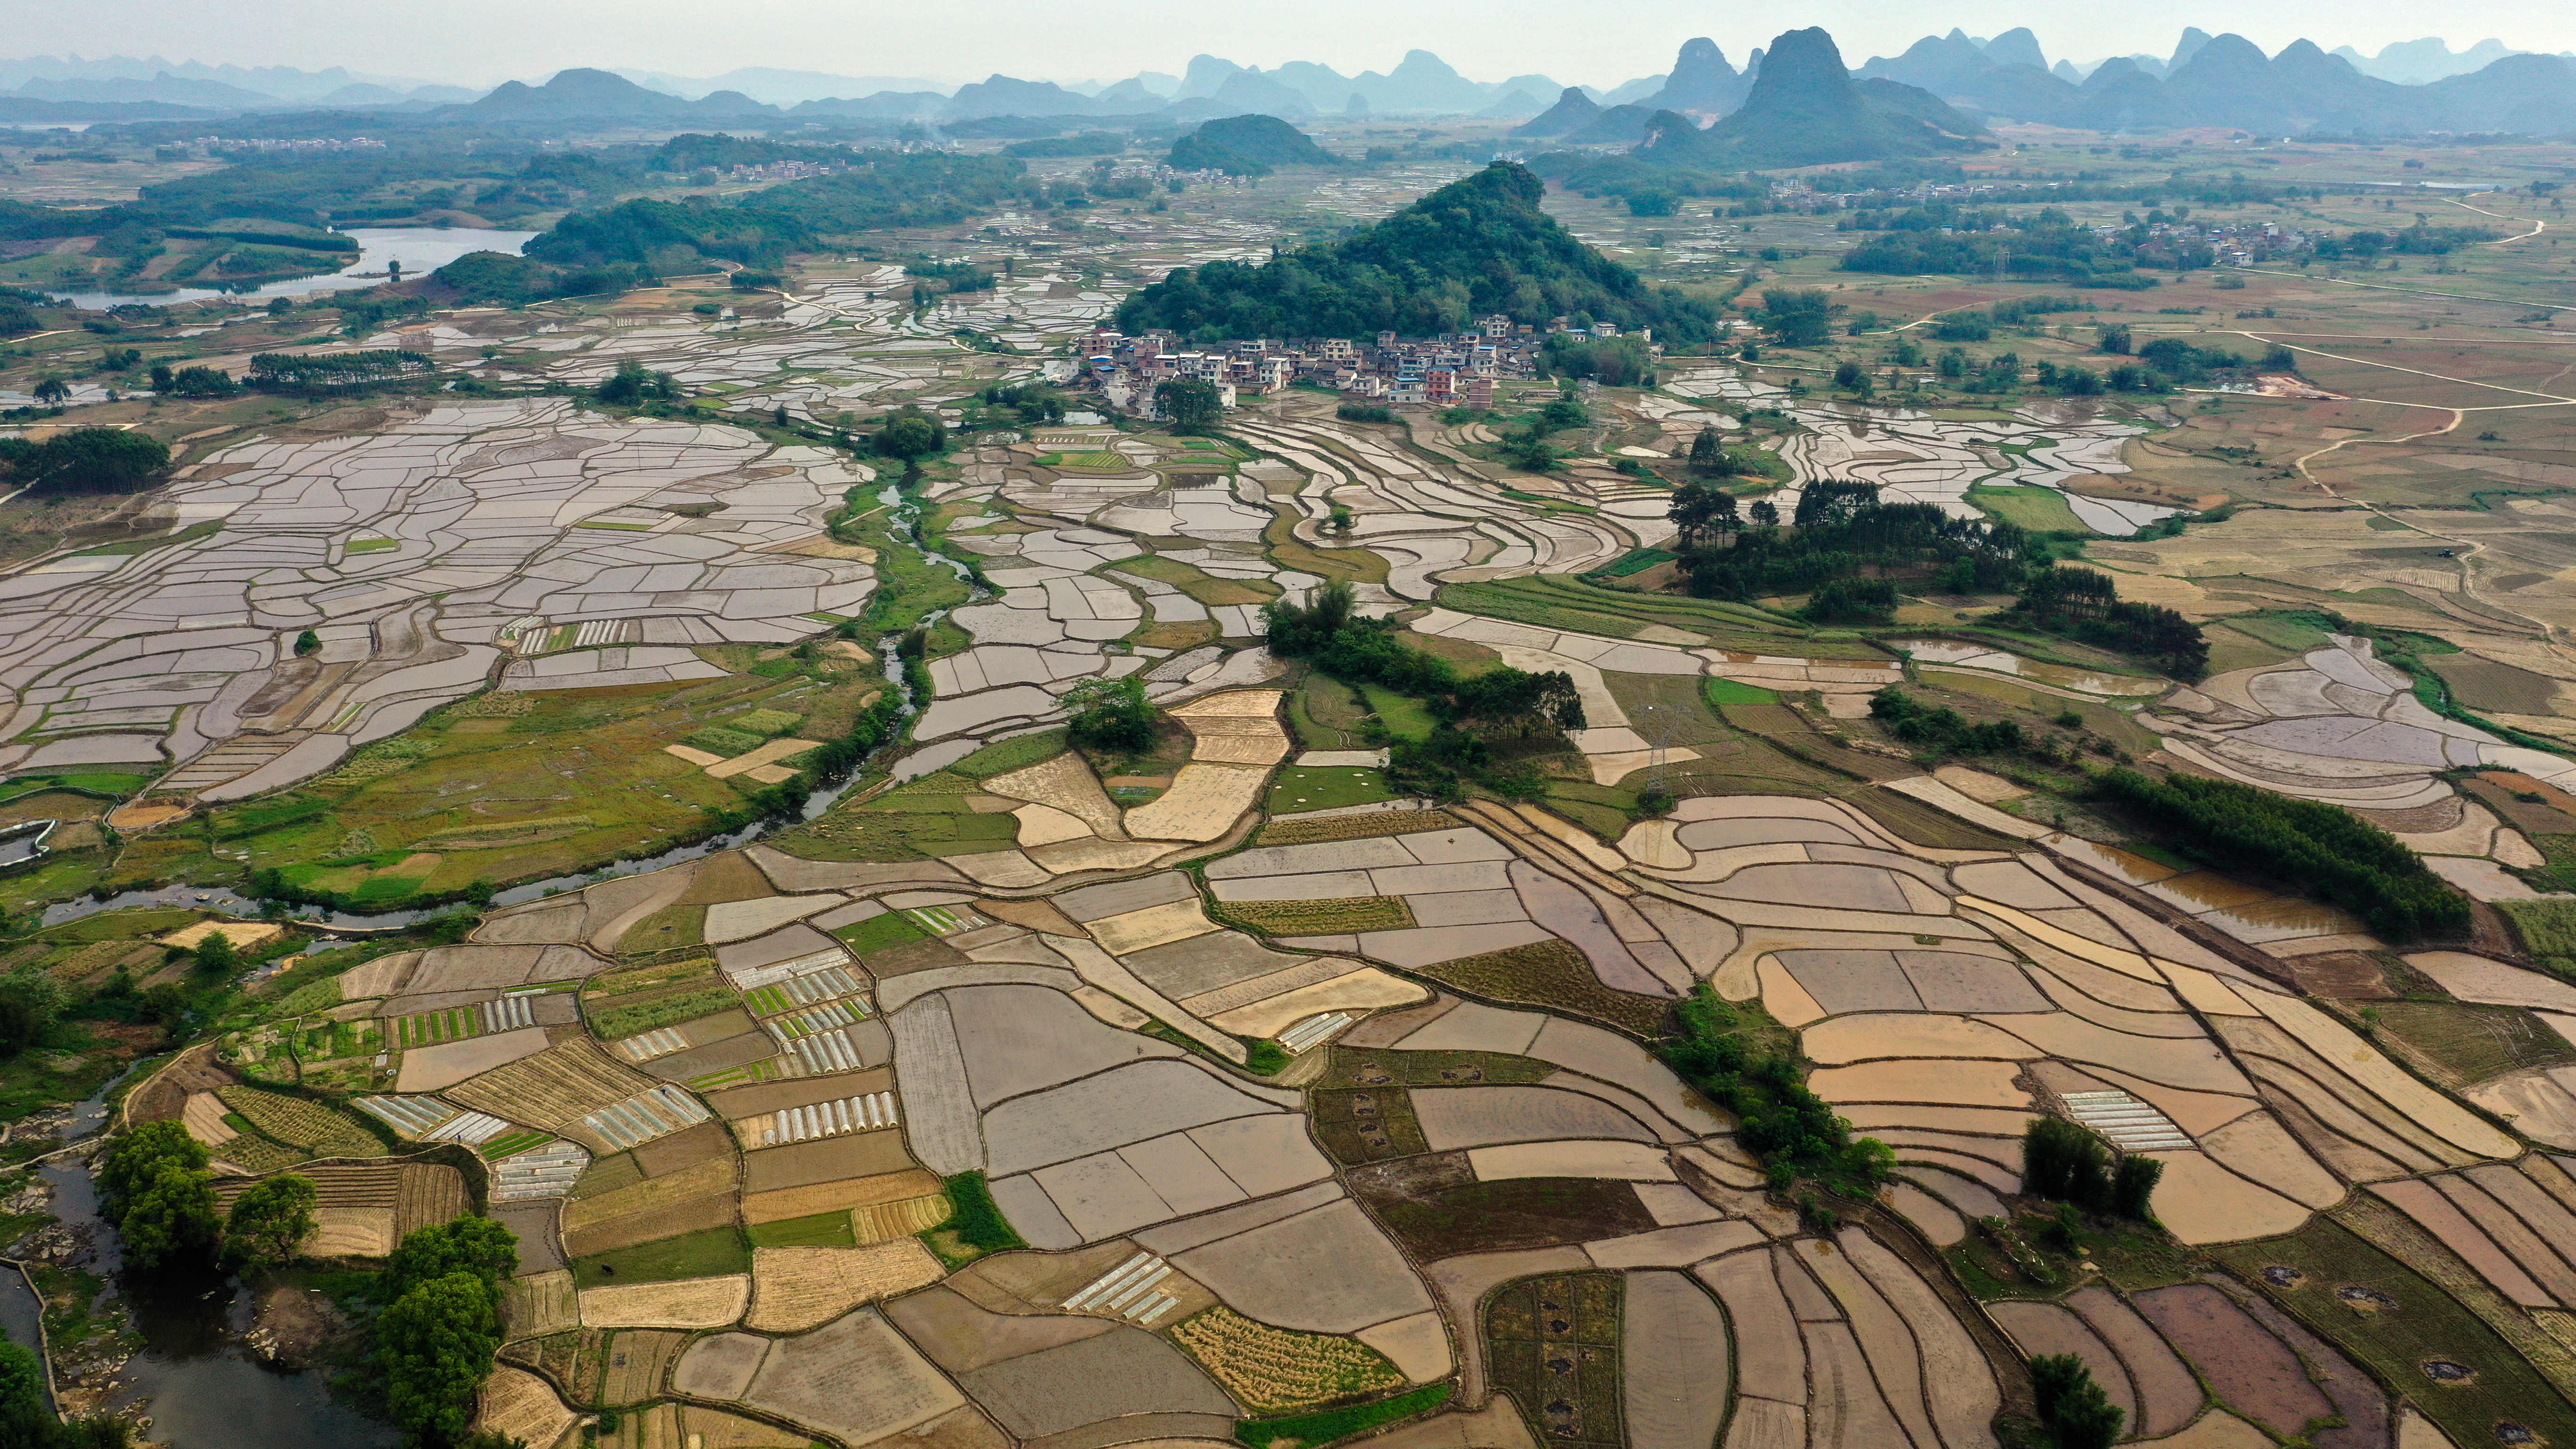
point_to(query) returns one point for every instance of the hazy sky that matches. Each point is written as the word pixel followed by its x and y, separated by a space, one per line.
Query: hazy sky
pixel 474 42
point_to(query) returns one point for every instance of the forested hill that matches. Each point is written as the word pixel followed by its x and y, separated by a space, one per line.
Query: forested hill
pixel 1471 249
pixel 890 189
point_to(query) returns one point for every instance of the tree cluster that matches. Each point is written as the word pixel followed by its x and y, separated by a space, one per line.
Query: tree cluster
pixel 84 460
pixel 1326 633
pixel 910 433
pixel 436 1340
pixel 955 276
pixel 198 381
pixel 1111 714
pixel 2322 851
pixel 1793 1131
pixel 643 232
pixel 1840 530
pixel 1615 361
pixel 27 1420
pixel 2068 1162
pixel 485 278
pixel 323 372
pixel 1851 601
pixel 2086 605
pixel 1034 402
pixel 2073 1409
pixel 633 385
pixel 1940 729
pixel 1944 238
pixel 154 1186
pixel 1192 404
pixel 2418 240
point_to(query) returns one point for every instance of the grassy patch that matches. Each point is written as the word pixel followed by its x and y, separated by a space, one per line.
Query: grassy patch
pixel 2547 930
pixel 1314 1430
pixel 708 1253
pixel 926 819
pixel 716 740
pixel 2471 1042
pixel 1325 787
pixel 765 723
pixel 1355 827
pixel 1556 976
pixel 626 1019
pixel 1318 918
pixel 1325 715
pixel 2426 1323
pixel 1736 691
pixel 1018 752
pixel 1361 1125
pixel 881 933
pixel 822 1230
pixel 2040 510
pixel 1402 714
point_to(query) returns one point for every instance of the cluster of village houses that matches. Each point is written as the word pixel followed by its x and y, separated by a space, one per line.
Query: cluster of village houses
pixel 1454 369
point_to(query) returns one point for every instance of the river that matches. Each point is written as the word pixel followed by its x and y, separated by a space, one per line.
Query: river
pixel 419 248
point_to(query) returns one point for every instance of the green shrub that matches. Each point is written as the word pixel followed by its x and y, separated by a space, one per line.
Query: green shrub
pixel 976 1219
pixel 718 740
pixel 763 722
pixel 1331 1424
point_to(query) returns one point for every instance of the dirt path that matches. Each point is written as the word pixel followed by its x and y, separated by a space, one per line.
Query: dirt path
pixel 2465 550
pixel 2551 399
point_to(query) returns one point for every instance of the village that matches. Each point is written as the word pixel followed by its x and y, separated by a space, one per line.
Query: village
pixel 1449 370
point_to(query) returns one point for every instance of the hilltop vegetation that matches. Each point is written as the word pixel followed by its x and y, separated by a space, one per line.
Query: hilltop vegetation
pixel 889 190
pixel 1473 248
pixel 1247 146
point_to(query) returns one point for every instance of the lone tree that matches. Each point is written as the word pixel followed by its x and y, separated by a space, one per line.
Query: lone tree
pixel 1111 714
pixel 435 1348
pixel 216 953
pixel 270 1220
pixel 1797 317
pixel 52 391
pixel 1193 404
pixel 2074 1409
pixel 477 1246
pixel 1708 456
pixel 911 433
pixel 435 1344
pixel 160 1196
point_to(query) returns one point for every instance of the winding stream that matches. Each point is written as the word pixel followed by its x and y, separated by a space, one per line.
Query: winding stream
pixel 906 511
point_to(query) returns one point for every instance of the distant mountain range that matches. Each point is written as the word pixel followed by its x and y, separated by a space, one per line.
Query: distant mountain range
pixel 2227 81
pixel 2408 87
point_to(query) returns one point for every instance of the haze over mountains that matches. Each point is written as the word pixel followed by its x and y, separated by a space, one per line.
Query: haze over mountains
pixel 2408 87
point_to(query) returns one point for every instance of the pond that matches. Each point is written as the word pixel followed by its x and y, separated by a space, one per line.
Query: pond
pixel 201 1387
pixel 419 249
